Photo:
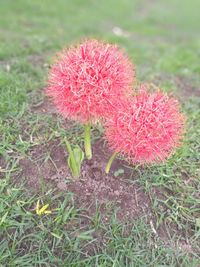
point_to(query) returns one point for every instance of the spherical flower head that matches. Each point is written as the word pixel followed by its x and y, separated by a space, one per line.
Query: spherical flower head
pixel 146 129
pixel 87 80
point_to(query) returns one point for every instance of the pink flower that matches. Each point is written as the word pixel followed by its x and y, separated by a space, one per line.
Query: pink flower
pixel 87 80
pixel 147 128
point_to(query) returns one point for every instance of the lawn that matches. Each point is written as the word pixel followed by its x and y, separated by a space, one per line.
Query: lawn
pixel 136 216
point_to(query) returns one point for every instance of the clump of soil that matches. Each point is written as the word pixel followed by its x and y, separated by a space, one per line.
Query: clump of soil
pixel 93 186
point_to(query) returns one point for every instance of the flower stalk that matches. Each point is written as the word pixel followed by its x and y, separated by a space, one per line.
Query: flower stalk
pixel 87 140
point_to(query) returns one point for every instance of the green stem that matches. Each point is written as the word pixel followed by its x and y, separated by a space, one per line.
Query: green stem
pixel 107 169
pixel 87 141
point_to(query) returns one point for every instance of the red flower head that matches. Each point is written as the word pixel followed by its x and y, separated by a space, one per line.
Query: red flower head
pixel 86 81
pixel 147 128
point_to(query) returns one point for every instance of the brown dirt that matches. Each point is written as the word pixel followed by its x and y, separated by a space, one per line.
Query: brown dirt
pixel 44 107
pixel 93 186
pixel 186 88
pixel 38 60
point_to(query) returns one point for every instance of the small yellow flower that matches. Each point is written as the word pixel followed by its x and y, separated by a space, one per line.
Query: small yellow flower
pixel 42 210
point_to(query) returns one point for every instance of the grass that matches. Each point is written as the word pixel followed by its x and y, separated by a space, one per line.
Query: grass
pixel 164 44
pixel 64 239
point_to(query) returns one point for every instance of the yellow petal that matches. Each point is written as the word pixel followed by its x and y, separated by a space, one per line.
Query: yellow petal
pixel 41 211
pixel 47 211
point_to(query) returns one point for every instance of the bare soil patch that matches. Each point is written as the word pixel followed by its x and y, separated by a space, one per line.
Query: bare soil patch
pixel 44 106
pixel 186 88
pixel 94 186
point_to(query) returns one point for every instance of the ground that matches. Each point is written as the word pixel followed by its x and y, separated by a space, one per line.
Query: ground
pixel 143 216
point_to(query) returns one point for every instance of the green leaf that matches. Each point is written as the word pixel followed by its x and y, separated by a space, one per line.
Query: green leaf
pixel 79 156
pixel 55 235
pixel 198 222
pixel 3 218
pixel 66 214
pixel 118 172
pixel 75 158
pixel 87 235
pixel 73 166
